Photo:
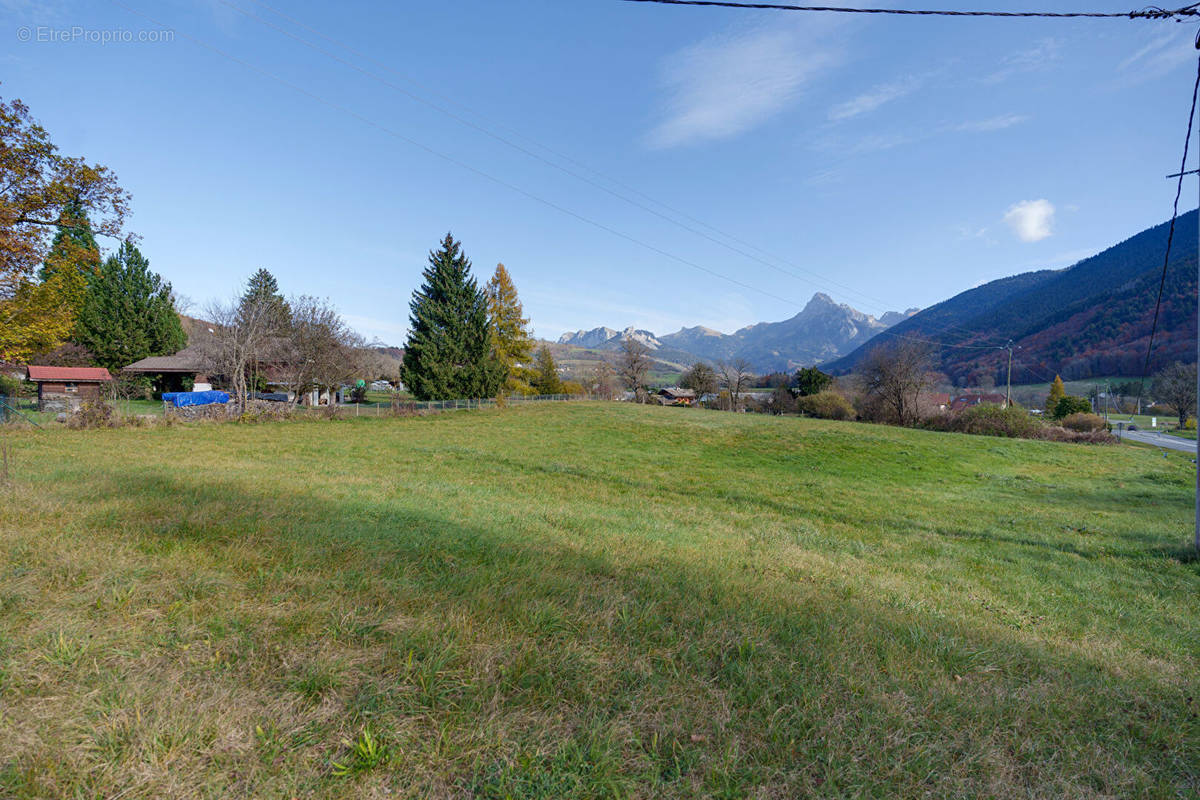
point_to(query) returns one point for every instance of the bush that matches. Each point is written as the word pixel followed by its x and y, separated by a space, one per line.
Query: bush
pixel 987 420
pixel 10 387
pixel 1066 406
pixel 93 414
pixel 1083 423
pixel 826 405
pixel 1055 433
pixel 573 388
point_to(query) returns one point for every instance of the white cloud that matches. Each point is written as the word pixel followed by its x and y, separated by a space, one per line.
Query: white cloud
pixel 727 85
pixel 992 124
pixel 1031 220
pixel 1156 58
pixel 869 101
pixel 1041 55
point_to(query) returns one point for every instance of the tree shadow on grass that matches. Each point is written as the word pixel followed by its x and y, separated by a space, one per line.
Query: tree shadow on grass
pixel 665 675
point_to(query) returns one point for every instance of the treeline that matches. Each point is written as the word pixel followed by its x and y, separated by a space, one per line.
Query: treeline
pixel 470 342
pixel 61 301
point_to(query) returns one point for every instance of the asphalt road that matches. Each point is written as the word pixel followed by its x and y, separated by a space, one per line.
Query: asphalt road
pixel 1161 440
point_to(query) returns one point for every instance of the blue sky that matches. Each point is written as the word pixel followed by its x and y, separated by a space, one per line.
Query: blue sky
pixel 890 162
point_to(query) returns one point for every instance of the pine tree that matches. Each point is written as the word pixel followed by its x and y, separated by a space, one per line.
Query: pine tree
pixel 1057 392
pixel 509 329
pixel 545 373
pixel 263 288
pixel 127 314
pixel 449 351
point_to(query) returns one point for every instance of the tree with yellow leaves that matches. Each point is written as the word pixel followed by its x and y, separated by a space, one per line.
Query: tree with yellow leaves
pixel 1057 392
pixel 41 191
pixel 509 330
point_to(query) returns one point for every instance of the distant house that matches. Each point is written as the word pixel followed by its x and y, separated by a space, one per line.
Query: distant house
pixel 64 388
pixel 969 400
pixel 188 362
pixel 674 396
pixel 939 400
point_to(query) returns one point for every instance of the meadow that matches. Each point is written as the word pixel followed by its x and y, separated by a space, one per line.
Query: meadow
pixel 594 600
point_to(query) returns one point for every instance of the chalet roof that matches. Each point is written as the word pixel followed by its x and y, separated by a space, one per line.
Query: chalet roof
pixel 975 399
pixel 69 374
pixel 189 359
pixel 675 391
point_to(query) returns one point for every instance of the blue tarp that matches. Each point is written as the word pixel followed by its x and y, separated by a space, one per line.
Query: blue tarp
pixel 181 399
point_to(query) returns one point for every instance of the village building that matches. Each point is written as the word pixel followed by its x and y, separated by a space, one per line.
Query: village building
pixel 969 400
pixel 65 388
pixel 177 369
pixel 674 396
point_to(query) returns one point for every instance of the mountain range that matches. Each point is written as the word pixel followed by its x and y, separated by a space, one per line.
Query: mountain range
pixel 1090 319
pixel 1093 318
pixel 823 330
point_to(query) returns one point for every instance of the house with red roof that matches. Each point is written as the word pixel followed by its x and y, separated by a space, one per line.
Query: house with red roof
pixel 64 388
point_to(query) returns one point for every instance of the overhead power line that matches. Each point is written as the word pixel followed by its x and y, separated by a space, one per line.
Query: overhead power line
pixel 457 162
pixel 1162 283
pixel 821 281
pixel 816 279
pixel 1149 12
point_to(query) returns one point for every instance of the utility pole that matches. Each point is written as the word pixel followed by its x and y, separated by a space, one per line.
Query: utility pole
pixel 1008 391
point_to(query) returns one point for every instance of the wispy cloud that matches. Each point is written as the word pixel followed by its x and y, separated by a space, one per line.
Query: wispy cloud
pixel 727 85
pixel 991 124
pixel 1031 220
pixel 876 97
pixel 1041 55
pixel 1157 57
pixel 877 143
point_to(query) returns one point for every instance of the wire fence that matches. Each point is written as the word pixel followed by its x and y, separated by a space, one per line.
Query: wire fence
pixel 466 404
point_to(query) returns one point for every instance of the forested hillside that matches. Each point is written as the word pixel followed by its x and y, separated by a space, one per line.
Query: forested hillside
pixel 1091 319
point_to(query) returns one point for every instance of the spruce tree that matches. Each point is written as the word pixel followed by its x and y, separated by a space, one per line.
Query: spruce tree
pixel 262 288
pixel 545 373
pixel 449 353
pixel 127 314
pixel 509 327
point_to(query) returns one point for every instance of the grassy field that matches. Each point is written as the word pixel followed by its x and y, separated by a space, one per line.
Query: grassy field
pixel 589 600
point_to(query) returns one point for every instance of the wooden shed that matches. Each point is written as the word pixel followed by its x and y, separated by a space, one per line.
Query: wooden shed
pixel 63 388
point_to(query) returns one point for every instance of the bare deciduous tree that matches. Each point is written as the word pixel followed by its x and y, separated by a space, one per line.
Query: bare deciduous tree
pixel 1176 386
pixel 321 351
pixel 634 365
pixel 700 378
pixel 736 377
pixel 603 381
pixel 894 375
pixel 242 336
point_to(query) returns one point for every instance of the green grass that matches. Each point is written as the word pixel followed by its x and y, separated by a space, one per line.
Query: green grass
pixel 594 600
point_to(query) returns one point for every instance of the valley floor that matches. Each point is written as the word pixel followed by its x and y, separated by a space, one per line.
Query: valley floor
pixel 592 600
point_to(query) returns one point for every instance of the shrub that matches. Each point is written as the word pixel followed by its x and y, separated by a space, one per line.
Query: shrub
pixel 1066 406
pixel 93 414
pixel 826 405
pixel 1055 433
pixel 573 388
pixel 10 387
pixel 987 420
pixel 1083 422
